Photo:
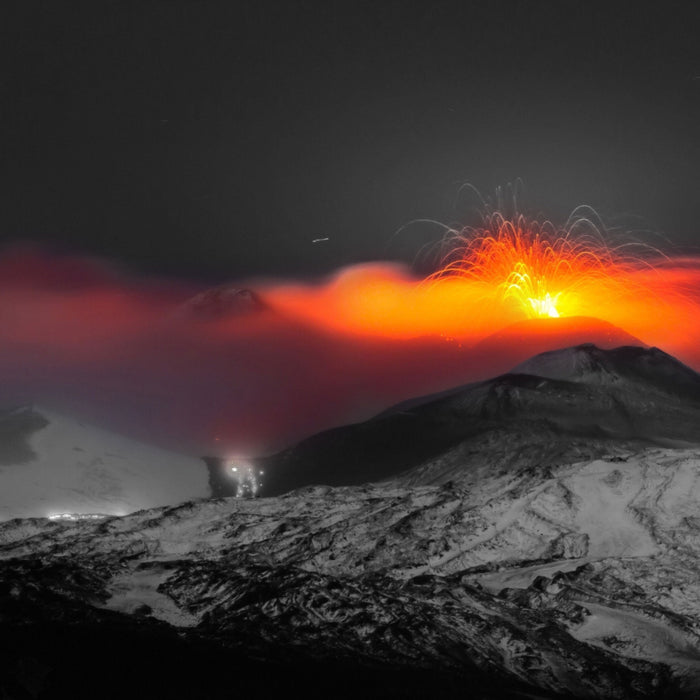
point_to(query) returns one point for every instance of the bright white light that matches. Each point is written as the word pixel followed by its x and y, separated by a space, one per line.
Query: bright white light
pixel 77 516
pixel 246 477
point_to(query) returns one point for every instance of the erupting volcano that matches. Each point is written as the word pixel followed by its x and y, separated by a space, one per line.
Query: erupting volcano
pixel 288 405
pixel 509 269
pixel 368 337
pixel 543 271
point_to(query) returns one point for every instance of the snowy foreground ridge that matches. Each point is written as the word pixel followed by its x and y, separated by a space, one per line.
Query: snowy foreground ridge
pixel 557 574
pixel 580 580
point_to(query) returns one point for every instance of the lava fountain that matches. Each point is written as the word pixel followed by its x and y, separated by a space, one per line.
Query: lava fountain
pixel 508 269
pixel 540 271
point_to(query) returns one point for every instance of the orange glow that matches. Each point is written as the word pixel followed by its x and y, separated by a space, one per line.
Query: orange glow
pixel 328 353
pixel 378 299
pixel 541 271
pixel 507 271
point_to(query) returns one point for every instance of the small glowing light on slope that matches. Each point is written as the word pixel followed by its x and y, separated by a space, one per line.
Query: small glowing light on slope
pixel 246 478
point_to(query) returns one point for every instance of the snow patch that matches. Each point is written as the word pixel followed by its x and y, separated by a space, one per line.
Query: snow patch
pixel 136 592
pixel 80 469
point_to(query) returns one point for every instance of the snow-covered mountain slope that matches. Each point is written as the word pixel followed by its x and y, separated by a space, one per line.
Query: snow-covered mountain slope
pixel 575 580
pixel 563 406
pixel 51 464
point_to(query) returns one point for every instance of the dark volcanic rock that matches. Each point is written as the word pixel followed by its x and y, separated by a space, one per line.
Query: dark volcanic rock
pixel 16 426
pixel 561 406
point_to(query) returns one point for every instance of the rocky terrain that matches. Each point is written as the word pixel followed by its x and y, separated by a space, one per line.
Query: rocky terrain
pixel 574 576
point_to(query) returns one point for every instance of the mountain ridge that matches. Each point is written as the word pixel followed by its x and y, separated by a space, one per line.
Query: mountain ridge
pixel 570 581
pixel 544 546
pixel 651 402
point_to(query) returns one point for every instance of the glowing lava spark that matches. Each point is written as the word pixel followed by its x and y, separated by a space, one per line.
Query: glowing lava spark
pixel 506 270
pixel 542 271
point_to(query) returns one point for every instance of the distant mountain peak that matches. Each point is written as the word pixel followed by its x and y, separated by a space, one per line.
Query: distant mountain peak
pixel 223 301
pixel 571 363
pixel 561 405
pixel 591 331
pixel 587 362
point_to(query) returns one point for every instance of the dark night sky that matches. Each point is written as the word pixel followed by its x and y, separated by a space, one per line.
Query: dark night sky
pixel 218 139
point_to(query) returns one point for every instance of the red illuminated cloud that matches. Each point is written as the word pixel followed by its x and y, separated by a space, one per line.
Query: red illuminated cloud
pixel 130 354
pixel 507 271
